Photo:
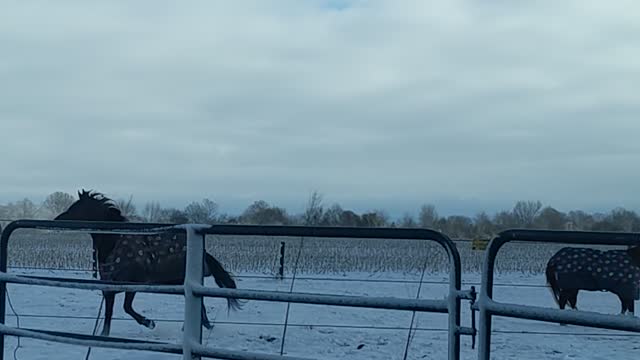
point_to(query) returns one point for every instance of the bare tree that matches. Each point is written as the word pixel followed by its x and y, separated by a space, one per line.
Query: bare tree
pixel 261 213
pixel 623 220
pixel 349 218
pixel 580 220
pixel 332 215
pixel 204 212
pixel 5 212
pixel 456 226
pixel 152 212
pixel 428 216
pixel 550 218
pixel 408 221
pixel 173 216
pixel 504 220
pixel 127 208
pixel 483 225
pixel 374 218
pixel 525 212
pixel 23 209
pixel 58 202
pixel 313 213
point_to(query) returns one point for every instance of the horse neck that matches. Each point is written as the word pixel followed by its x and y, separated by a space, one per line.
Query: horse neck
pixel 103 245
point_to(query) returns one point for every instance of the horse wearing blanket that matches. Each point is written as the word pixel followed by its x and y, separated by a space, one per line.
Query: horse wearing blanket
pixel 573 269
pixel 147 259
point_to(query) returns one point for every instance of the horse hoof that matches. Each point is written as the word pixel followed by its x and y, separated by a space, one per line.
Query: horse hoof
pixel 151 324
pixel 208 326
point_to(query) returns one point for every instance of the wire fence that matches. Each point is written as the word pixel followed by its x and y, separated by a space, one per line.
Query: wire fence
pixel 330 326
pixel 320 325
pixel 230 253
pixel 312 278
pixel 325 326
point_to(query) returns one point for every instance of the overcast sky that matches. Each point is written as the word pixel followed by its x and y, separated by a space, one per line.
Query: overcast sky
pixel 376 104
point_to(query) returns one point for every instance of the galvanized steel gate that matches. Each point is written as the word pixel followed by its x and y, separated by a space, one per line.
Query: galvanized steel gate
pixel 488 307
pixel 194 290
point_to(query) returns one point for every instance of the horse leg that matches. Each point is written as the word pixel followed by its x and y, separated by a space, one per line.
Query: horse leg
pixel 564 297
pixel 623 304
pixel 628 305
pixel 573 299
pixel 109 300
pixel 128 308
pixel 205 319
pixel 562 302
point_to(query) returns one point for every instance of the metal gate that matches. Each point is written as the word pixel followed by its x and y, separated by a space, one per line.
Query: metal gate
pixel 194 290
pixel 488 307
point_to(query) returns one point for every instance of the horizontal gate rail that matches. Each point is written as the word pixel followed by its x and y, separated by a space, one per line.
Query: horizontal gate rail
pixel 139 345
pixel 91 340
pixel 488 307
pixel 194 290
pixel 85 284
pixel 580 318
pixel 389 303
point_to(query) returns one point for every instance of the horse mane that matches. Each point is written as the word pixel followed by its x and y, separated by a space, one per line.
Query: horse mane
pixel 101 200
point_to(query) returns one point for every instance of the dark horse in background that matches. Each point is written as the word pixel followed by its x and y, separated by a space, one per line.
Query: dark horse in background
pixel 573 269
pixel 147 259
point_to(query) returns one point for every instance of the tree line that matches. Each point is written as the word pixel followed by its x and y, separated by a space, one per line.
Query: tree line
pixel 524 214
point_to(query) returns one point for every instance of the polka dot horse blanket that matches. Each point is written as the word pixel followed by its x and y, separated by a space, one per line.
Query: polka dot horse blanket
pixel 146 258
pixel 597 270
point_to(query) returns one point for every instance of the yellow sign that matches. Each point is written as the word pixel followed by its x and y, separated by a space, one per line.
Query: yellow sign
pixel 479 244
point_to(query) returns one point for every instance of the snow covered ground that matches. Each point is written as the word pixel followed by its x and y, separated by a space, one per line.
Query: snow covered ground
pixel 321 332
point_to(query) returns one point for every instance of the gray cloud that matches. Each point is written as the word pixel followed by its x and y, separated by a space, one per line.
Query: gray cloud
pixel 376 104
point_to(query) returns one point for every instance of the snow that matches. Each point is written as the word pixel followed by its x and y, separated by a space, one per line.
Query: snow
pixel 318 331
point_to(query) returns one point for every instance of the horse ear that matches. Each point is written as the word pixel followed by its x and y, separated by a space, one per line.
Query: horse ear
pixel 634 253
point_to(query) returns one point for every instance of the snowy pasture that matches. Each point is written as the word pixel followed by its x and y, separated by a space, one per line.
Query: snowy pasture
pixel 328 266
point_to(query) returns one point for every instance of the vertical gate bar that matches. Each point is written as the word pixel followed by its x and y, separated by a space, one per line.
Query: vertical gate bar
pixel 455 284
pixel 94 263
pixel 193 303
pixel 281 268
pixel 4 245
pixel 486 293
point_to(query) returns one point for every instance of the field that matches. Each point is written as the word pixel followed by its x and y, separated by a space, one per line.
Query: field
pixel 65 250
pixel 331 266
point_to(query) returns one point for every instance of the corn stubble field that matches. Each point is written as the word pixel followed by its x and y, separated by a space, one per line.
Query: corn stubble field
pixel 257 254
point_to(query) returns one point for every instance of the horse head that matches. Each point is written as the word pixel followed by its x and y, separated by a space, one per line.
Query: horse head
pixel 92 206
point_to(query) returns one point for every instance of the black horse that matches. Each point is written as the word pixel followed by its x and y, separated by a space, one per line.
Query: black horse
pixel 148 259
pixel 573 269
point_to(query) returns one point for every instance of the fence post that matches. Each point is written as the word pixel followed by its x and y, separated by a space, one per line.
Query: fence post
pixel 281 269
pixel 94 263
pixel 192 303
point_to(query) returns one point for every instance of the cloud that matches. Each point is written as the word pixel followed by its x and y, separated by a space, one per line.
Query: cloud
pixel 380 103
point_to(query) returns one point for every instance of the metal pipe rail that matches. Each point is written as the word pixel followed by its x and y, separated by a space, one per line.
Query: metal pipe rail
pixel 193 288
pixel 487 307
pixel 84 284
pixel 128 344
pixel 389 303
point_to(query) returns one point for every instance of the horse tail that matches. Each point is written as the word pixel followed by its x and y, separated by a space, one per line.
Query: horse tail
pixel 552 281
pixel 223 279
